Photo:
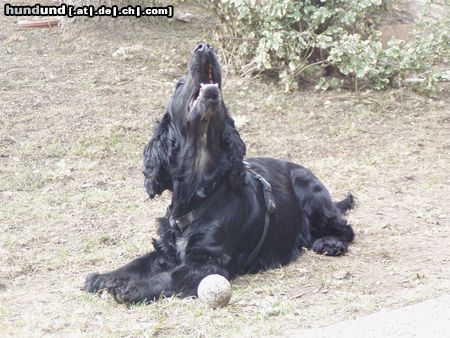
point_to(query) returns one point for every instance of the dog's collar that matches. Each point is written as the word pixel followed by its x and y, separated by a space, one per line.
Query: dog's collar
pixel 182 222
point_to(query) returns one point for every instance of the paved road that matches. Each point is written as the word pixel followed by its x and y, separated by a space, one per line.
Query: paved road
pixel 429 319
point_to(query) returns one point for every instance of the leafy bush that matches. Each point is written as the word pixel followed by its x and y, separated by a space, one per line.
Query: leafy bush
pixel 327 42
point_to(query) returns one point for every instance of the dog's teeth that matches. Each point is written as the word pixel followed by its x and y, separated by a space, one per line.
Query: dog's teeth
pixel 216 85
pixel 202 84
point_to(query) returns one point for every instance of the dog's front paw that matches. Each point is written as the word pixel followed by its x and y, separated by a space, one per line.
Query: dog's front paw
pixel 132 291
pixel 93 283
pixel 96 282
pixel 124 290
pixel 330 246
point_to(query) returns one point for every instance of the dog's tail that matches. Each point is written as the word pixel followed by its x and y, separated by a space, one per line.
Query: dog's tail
pixel 346 204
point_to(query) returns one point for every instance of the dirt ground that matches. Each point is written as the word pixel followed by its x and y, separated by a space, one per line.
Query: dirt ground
pixel 76 111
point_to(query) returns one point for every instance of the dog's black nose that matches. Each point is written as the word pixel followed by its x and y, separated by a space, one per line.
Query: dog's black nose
pixel 202 47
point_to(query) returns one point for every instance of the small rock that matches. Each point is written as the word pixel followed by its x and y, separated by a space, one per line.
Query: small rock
pixel 126 53
pixel 183 17
pixel 341 275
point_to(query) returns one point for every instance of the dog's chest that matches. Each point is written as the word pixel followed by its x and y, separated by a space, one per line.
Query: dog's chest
pixel 202 160
pixel 181 244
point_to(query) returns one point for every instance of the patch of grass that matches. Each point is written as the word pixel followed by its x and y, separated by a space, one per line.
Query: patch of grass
pixel 117 140
pixel 103 240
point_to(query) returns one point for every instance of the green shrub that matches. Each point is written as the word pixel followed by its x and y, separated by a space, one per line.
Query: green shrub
pixel 326 42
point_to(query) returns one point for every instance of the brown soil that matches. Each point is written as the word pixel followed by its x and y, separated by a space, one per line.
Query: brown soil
pixel 76 111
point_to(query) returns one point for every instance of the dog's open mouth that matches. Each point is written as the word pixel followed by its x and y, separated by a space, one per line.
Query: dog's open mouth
pixel 206 91
pixel 207 80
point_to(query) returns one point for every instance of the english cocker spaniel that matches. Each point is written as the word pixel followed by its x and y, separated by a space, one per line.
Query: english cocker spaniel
pixel 227 216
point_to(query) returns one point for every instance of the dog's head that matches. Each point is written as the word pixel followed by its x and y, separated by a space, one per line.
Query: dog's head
pixel 198 94
pixel 205 144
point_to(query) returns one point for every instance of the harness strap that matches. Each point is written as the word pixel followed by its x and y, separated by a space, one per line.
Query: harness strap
pixel 182 222
pixel 270 208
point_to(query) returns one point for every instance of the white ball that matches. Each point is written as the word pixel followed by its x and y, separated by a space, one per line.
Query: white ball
pixel 214 290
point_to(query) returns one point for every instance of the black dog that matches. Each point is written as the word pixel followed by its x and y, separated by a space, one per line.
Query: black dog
pixel 227 216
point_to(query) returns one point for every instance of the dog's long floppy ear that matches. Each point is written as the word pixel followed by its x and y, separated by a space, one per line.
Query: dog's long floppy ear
pixel 235 152
pixel 158 155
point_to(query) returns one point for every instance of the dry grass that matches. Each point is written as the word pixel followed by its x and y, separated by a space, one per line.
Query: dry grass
pixel 74 120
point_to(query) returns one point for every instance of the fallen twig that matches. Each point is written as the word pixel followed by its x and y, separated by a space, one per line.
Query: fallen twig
pixel 238 39
pixel 299 295
pixel 40 23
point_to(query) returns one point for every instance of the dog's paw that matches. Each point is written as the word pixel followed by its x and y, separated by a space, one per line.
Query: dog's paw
pixel 330 246
pixel 129 292
pixel 93 283
pixel 96 282
pixel 124 290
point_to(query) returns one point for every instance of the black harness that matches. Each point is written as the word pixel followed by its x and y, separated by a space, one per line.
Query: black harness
pixel 181 223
